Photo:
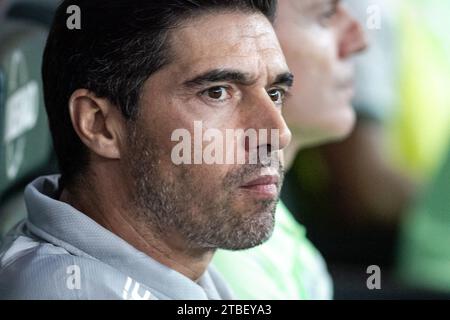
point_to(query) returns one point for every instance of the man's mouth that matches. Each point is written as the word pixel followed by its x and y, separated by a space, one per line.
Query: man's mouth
pixel 263 186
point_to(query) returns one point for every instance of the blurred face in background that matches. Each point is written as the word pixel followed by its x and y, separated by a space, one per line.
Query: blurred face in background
pixel 318 38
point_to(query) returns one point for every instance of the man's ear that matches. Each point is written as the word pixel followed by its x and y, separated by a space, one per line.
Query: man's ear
pixel 98 123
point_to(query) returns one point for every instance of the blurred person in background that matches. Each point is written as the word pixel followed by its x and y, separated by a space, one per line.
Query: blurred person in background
pixel 319 38
pixel 352 196
pixel 368 189
pixel 392 174
pixel 421 142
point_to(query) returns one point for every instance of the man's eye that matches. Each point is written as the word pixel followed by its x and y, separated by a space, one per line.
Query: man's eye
pixel 277 95
pixel 328 14
pixel 216 93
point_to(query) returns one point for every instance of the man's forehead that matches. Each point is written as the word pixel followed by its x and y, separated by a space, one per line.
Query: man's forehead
pixel 212 33
pixel 230 41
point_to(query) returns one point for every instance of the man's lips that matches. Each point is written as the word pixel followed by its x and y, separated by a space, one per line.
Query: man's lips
pixel 263 186
pixel 263 180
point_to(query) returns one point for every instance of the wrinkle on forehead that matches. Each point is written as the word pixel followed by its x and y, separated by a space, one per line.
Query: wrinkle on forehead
pixel 207 35
pixel 230 40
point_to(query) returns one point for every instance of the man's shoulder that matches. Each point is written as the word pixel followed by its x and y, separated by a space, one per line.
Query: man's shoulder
pixel 30 269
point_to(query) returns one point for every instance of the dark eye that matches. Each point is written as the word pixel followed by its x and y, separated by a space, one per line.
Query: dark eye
pixel 216 93
pixel 329 13
pixel 277 95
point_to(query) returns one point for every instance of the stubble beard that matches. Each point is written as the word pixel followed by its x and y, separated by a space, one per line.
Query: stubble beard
pixel 177 204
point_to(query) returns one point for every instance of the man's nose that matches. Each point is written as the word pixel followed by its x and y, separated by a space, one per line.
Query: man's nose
pixel 353 36
pixel 266 118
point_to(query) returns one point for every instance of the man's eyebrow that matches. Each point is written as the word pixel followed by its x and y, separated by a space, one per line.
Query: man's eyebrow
pixel 285 78
pixel 239 77
pixel 221 75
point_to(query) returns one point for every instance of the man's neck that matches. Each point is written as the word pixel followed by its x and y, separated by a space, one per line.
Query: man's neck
pixel 106 206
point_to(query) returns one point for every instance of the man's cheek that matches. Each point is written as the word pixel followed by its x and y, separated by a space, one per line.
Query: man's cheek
pixel 209 175
pixel 199 180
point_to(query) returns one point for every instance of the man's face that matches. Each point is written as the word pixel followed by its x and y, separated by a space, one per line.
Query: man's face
pixel 318 38
pixel 228 72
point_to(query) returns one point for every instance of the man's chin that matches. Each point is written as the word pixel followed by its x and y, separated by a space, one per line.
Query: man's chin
pixel 249 244
pixel 251 233
pixel 340 124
